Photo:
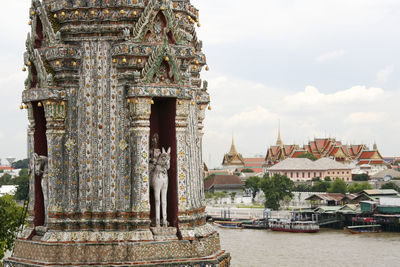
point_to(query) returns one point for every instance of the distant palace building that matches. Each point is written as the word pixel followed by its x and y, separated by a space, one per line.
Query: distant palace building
pixel 234 161
pixel 357 155
pixel 301 169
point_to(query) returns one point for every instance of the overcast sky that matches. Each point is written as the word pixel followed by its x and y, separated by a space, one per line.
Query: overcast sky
pixel 323 68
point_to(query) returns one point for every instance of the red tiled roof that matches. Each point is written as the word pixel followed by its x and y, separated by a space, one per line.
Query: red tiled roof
pixel 6 168
pixel 363 162
pixel 298 153
pixel 320 143
pixel 377 162
pixel 367 154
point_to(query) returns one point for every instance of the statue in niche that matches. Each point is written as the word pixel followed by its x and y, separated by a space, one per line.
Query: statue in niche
pixel 159 166
pixel 41 170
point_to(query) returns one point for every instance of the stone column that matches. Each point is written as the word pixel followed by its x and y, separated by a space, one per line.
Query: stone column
pixel 200 118
pixel 31 133
pixel 55 112
pixel 140 109
pixel 181 123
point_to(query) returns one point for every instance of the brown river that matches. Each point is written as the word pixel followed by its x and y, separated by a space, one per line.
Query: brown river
pixel 251 248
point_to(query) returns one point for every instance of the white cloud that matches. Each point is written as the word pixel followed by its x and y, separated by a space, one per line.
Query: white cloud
pixel 365 117
pixel 252 117
pixel 311 97
pixel 330 55
pixel 383 75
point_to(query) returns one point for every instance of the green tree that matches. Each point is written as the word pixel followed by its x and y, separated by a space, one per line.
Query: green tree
pixel 10 221
pixel 276 189
pixel 328 179
pixel 358 187
pixel 361 177
pixel 247 171
pixel 303 187
pixel 315 179
pixel 337 186
pixel 391 185
pixel 233 195
pixel 23 186
pixel 21 164
pixel 6 179
pixel 308 155
pixel 253 183
pixel 321 186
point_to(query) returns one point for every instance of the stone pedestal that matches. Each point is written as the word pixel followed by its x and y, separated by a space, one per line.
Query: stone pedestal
pixel 164 233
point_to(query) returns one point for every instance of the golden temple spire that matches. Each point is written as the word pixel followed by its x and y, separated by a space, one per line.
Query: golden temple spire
pixel 233 150
pixel 279 140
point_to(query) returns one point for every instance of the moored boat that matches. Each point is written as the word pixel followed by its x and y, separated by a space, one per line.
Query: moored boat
pixel 360 229
pixel 293 226
pixel 229 224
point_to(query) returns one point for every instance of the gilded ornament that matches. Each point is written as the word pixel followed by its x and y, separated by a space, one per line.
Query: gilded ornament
pixel 30 22
pixel 198 24
pixel 139 60
pixel 23 69
pixel 39 104
pixel 122 11
pixel 209 107
pixel 55 16
pixel 207 68
pixel 176 15
pixel 129 100
pixel 76 12
pixel 134 13
pixel 152 101
pixel 26 106
pixel 57 63
pixel 166 58
pixel 179 102
pixel 33 12
pixel 124 60
pixel 74 63
pixel 92 12
pixel 107 11
pixel 29 63
pixel 114 60
pixel 63 13
pixel 21 107
pixel 136 101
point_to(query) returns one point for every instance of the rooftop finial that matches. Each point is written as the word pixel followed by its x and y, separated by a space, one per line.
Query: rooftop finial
pixel 279 140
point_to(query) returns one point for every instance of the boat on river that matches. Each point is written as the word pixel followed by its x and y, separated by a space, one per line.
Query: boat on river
pixel 293 226
pixel 229 224
pixel 360 229
pixel 256 224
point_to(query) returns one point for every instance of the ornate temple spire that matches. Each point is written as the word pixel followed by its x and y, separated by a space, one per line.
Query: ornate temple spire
pixel 375 147
pixel 233 150
pixel 279 140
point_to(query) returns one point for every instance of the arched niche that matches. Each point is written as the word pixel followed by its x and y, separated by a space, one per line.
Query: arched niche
pixel 40 148
pixel 162 122
pixel 38 33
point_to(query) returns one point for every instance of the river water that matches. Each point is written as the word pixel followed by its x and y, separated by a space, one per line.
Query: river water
pixel 328 247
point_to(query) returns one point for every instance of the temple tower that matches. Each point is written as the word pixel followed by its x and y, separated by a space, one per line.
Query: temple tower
pixel 104 76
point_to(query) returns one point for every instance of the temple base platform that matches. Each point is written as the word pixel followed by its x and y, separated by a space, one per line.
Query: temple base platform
pixel 155 247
